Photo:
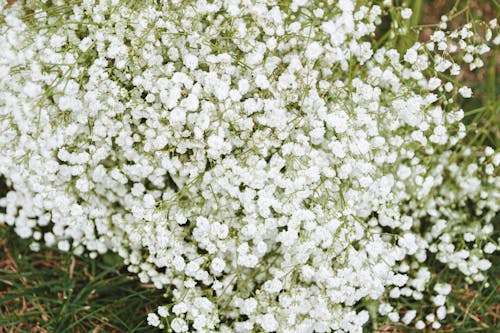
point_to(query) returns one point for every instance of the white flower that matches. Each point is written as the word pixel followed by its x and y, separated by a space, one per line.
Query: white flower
pixel 406 13
pixel 32 90
pixel 63 245
pixel 153 319
pixel 408 241
pixel 218 265
pixel 273 286
pixel 261 82
pixel 190 61
pixel 484 264
pixel 82 184
pixel 385 308
pixel 409 316
pixel 163 311
pixel 420 325
pixel 179 325
pixel 393 316
pixel 439 300
pixel 149 201
pixel 442 288
pixel 411 56
pixel 179 308
pixel 247 156
pixel 85 43
pixel 313 51
pixel 403 172
pixel 269 323
pixel 488 151
pixel 191 103
pixel 490 248
pixel 441 312
pixel 469 237
pixel 434 83
pixel 466 92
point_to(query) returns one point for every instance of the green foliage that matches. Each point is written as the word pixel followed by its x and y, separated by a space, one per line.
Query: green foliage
pixel 51 291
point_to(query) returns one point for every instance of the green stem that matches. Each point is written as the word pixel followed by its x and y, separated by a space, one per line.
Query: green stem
pixel 417 9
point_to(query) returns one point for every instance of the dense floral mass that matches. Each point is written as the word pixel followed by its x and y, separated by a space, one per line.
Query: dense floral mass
pixel 270 164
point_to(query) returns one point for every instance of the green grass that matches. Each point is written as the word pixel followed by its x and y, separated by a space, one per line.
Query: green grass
pixel 50 291
pixel 477 306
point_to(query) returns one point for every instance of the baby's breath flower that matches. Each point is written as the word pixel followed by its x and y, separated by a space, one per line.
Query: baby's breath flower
pixel 153 320
pixel 466 92
pixel 270 164
pixel 406 13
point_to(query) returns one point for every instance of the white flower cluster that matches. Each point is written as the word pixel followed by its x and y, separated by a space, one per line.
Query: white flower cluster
pixel 261 160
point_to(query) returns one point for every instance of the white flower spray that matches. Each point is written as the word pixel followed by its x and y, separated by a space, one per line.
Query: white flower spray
pixel 264 161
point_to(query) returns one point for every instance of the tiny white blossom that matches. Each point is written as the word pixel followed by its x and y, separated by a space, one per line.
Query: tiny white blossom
pixel 490 248
pixel 190 61
pixel 269 323
pixel 466 92
pixel 163 311
pixel 153 319
pixel 179 325
pixel 406 13
pixel 313 51
pixel 420 325
pixel 218 265
pixel 409 316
